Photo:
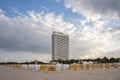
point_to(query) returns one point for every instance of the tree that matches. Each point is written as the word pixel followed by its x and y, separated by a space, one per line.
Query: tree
pixel 112 60
pixel 98 60
pixel 105 60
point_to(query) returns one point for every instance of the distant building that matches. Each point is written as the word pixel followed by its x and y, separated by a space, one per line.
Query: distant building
pixel 60 46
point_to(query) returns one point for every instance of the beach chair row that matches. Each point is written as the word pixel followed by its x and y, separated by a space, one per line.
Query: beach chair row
pixel 92 66
pixel 75 67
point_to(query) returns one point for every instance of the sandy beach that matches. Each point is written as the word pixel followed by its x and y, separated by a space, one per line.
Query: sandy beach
pixel 9 73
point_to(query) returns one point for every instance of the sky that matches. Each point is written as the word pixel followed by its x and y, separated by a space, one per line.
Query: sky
pixel 26 27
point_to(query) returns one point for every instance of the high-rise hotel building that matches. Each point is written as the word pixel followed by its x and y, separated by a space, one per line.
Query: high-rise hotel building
pixel 60 46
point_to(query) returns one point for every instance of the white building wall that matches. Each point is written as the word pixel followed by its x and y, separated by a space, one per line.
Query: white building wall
pixel 60 46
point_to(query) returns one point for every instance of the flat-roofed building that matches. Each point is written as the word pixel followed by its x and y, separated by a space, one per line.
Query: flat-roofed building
pixel 60 46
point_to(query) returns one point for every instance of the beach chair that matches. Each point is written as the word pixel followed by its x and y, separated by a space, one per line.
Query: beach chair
pixel 43 68
pixel 51 68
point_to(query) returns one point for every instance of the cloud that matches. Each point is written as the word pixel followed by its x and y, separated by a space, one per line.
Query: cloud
pixel 95 9
pixel 95 40
pixel 96 29
pixel 114 29
pixel 31 32
pixel 23 56
pixel 58 0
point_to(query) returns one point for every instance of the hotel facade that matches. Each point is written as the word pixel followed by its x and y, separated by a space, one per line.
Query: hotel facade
pixel 60 46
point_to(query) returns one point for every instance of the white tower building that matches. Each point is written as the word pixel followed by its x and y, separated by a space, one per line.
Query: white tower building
pixel 60 46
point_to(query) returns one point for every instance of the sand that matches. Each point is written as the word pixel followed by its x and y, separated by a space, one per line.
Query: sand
pixel 8 73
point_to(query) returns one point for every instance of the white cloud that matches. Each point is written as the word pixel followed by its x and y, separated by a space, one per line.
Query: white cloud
pixel 31 32
pixel 58 0
pixel 95 40
pixel 96 28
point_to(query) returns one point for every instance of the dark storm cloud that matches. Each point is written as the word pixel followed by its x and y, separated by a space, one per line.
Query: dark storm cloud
pixel 23 40
pixel 114 29
pixel 106 8
pixel 30 32
pixel 18 34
